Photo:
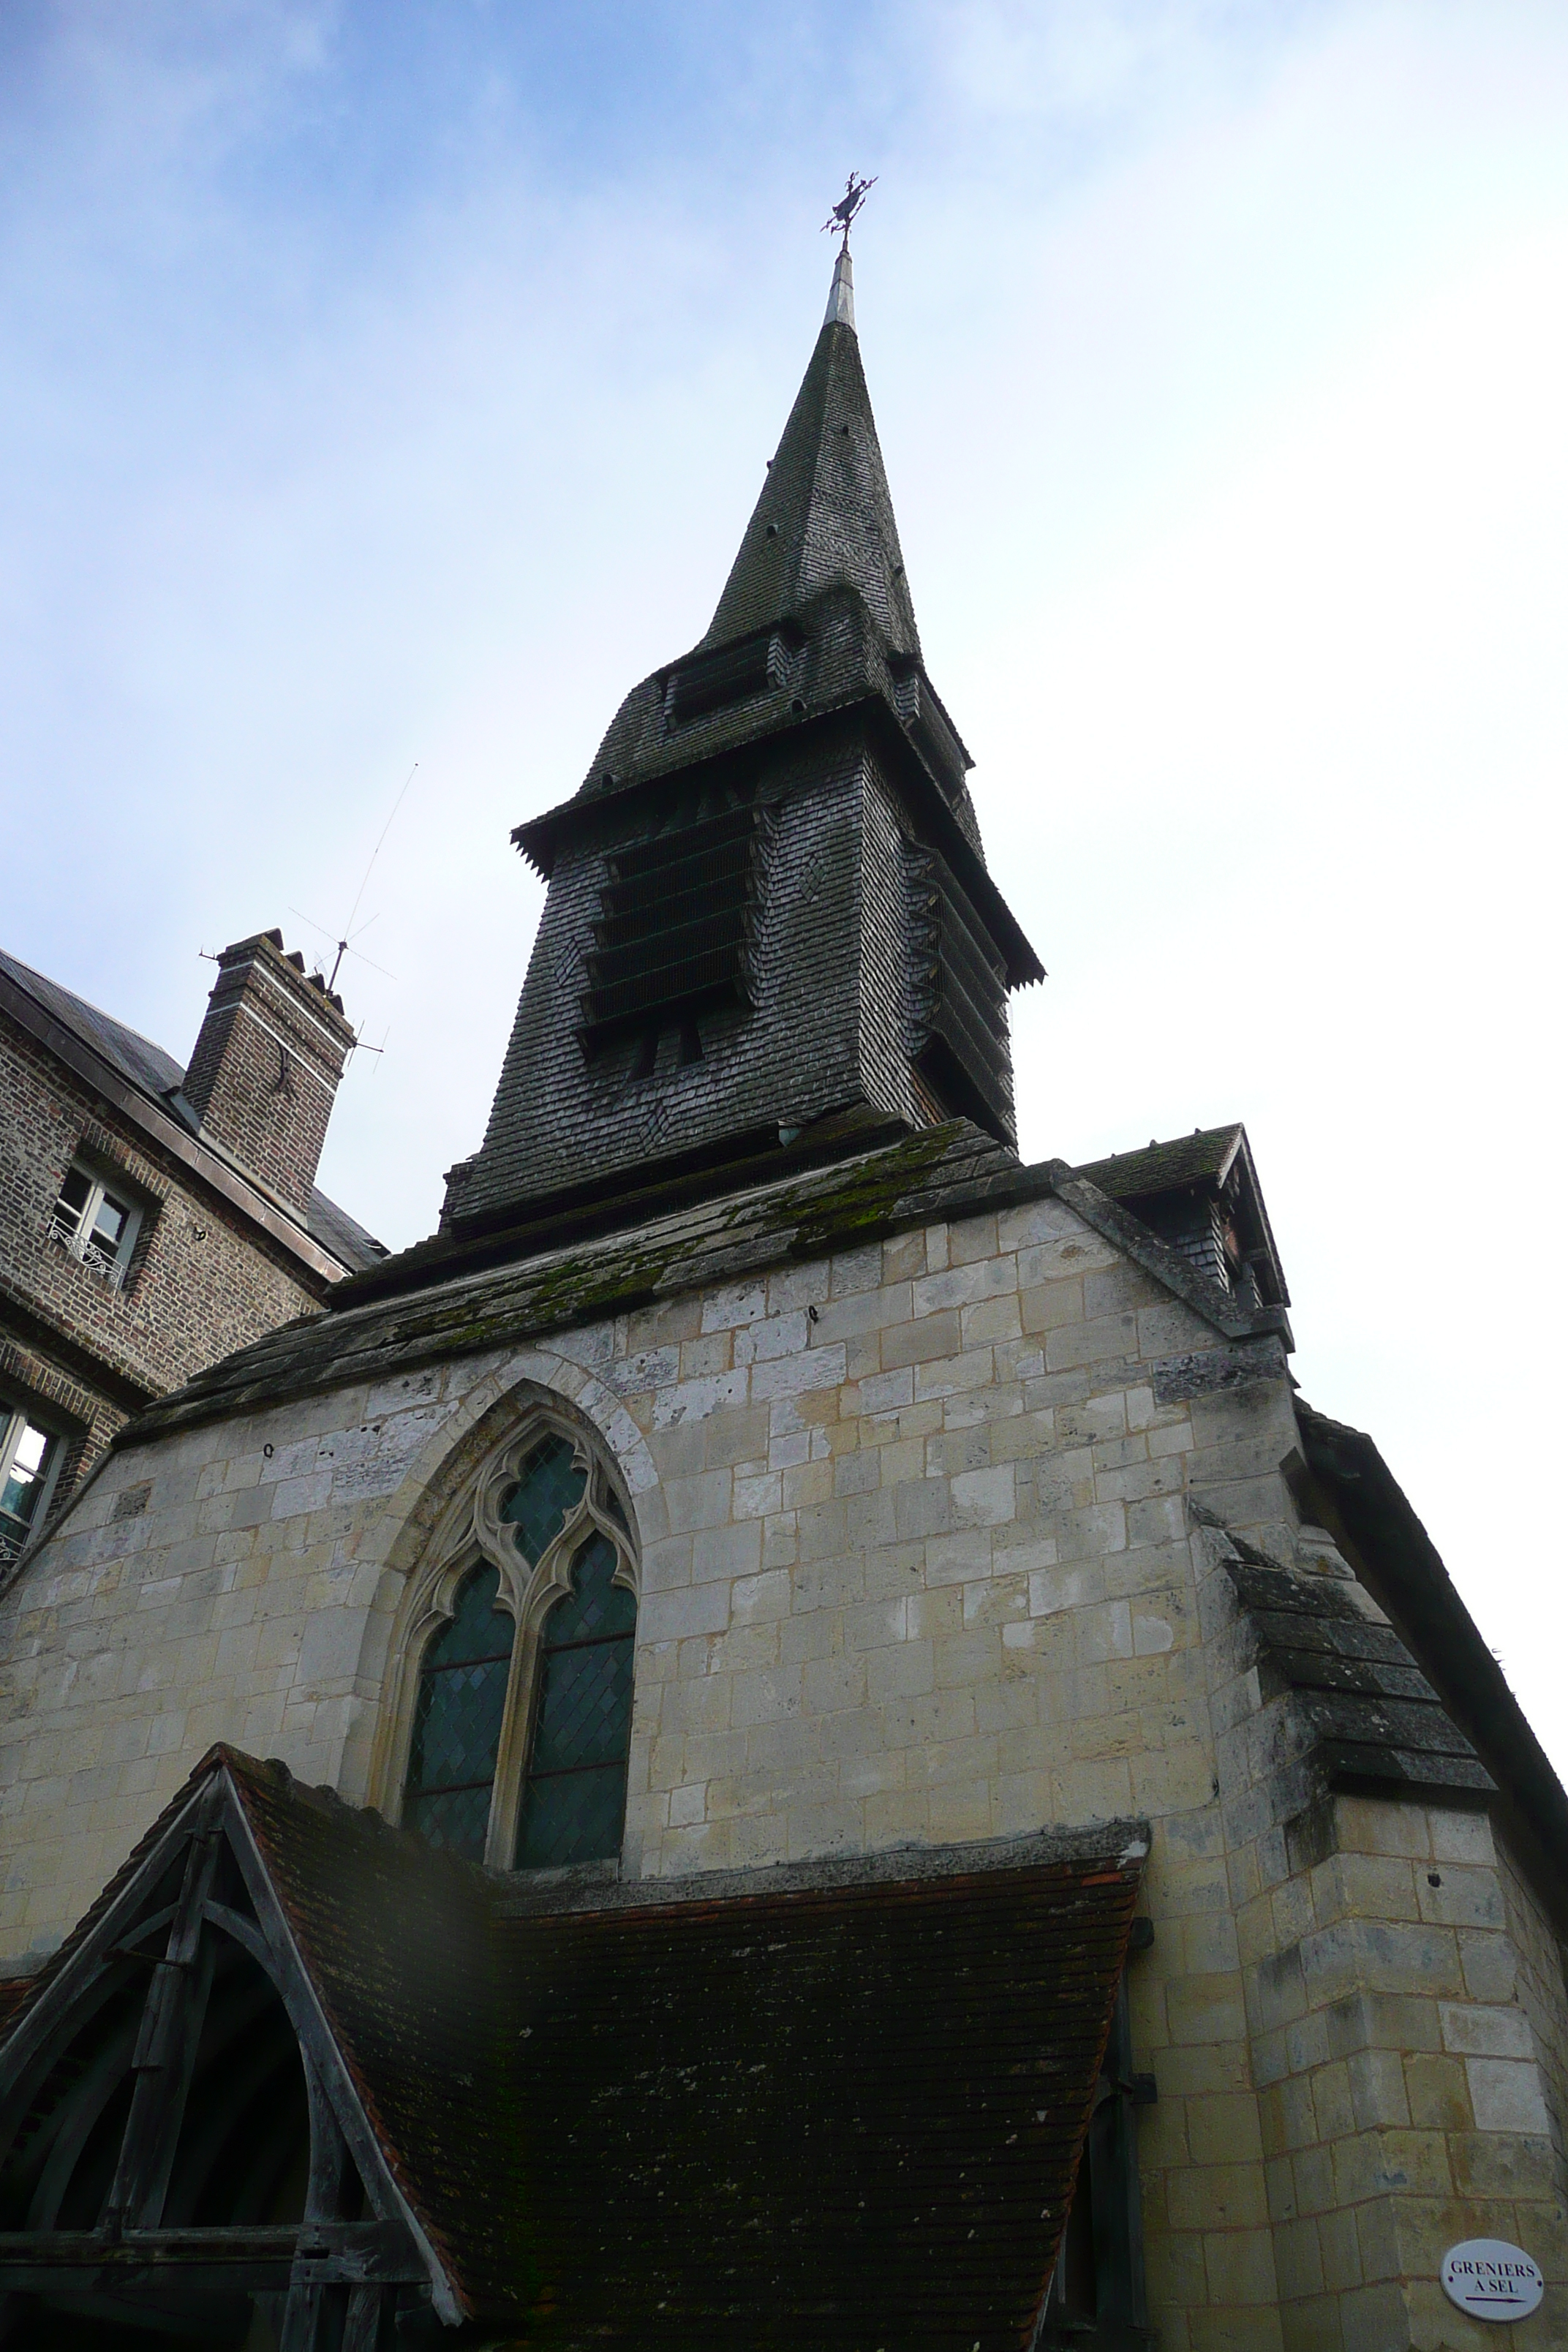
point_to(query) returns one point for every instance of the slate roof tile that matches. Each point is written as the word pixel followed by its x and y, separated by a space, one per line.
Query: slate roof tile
pixel 1185 1160
pixel 1373 1713
pixel 1398 1561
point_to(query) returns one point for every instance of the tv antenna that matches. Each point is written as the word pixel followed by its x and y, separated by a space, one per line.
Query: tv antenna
pixel 856 191
pixel 345 942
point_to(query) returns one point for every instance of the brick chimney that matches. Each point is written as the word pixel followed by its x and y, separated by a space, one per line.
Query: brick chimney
pixel 267 1063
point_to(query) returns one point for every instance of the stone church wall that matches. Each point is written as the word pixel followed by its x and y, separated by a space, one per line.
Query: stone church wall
pixel 1400 2086
pixel 916 1565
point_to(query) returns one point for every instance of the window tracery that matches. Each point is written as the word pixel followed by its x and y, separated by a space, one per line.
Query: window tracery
pixel 516 1691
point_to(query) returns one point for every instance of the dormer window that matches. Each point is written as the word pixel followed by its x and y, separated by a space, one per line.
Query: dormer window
pixel 1200 1195
pixel 97 1219
pixel 733 673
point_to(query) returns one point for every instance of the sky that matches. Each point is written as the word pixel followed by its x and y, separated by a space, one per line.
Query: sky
pixel 386 386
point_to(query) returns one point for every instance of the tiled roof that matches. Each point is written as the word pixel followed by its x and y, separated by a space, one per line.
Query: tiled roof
pixel 135 1057
pixel 160 1077
pixel 401 1945
pixel 843 2117
pixel 839 2105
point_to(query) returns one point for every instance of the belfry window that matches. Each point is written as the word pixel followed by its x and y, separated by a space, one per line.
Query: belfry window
pixel 959 996
pixel 674 931
pixel 518 1683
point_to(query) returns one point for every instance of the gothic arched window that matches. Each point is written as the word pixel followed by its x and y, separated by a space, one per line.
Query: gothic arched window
pixel 517 1683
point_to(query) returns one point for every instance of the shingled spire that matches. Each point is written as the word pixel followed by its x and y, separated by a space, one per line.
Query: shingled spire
pixel 770 930
pixel 825 519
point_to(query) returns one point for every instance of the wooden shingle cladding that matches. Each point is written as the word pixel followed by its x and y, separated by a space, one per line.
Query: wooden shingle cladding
pixel 818 2104
pixel 688 995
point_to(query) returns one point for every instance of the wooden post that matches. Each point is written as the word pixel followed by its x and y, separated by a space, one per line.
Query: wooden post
pixel 165 2054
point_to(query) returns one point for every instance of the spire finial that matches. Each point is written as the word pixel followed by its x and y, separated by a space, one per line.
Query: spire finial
pixel 849 202
pixel 840 310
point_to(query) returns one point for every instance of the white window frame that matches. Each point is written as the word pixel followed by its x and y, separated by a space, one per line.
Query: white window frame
pixel 78 1242
pixel 15 1419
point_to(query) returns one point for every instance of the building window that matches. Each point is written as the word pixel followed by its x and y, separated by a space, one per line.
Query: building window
pixel 97 1220
pixel 29 1456
pixel 519 1689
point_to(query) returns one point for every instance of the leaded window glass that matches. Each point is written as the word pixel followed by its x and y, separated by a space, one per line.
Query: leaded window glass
pixel 575 1798
pixel 549 1485
pixel 458 1721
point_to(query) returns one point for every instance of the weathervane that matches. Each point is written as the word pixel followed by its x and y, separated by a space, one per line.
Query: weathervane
pixel 848 205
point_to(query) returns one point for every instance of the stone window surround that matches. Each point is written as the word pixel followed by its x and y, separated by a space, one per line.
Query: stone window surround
pixel 469 1534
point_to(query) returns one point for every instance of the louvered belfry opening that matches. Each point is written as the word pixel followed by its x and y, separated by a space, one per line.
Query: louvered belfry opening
pixel 960 997
pixel 674 930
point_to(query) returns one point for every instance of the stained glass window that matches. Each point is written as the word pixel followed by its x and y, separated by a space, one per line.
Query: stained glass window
pixel 458 1721
pixel 574 1799
pixel 549 1485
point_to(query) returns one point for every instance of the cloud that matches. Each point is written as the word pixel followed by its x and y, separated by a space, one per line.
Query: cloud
pixel 393 382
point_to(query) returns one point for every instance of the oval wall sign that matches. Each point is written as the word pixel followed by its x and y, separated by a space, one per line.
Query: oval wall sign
pixel 1492 2279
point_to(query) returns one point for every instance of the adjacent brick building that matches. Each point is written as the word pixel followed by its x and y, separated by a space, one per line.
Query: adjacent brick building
pixel 154 1218
pixel 881 1780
